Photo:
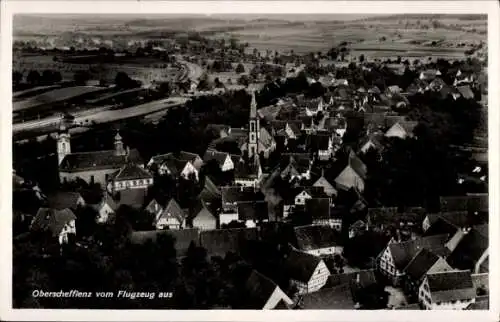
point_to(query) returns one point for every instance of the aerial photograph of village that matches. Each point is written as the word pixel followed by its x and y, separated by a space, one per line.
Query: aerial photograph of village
pixel 256 162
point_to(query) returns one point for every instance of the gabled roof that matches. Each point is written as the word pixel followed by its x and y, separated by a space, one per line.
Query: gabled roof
pixel 466 92
pixel 97 160
pixel 130 171
pixel 348 178
pixel 459 219
pixel 259 289
pixel 211 154
pixel 182 238
pixel 197 210
pixel 181 156
pixel 441 226
pixel 357 165
pixel 336 298
pixel 318 208
pixel 210 191
pixel 451 286
pixel 221 241
pixel 468 250
pixel 52 220
pixel 313 237
pixel 323 183
pixel 64 199
pixel 402 253
pixel 300 266
pixel 173 210
pixel 253 210
pixel 420 264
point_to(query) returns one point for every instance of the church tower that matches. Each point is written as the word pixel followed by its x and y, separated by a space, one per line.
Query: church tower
pixel 119 149
pixel 63 142
pixel 253 129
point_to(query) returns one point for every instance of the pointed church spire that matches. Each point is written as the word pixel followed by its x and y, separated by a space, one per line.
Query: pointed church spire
pixel 253 106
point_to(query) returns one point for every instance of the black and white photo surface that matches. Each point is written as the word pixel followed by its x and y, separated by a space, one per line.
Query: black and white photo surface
pixel 250 162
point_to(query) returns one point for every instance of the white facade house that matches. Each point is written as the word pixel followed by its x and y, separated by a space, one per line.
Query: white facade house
pixel 301 198
pixel 325 251
pixel 313 281
pixel 67 229
pixel 452 290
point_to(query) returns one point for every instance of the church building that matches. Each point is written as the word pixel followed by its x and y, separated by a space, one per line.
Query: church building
pixel 93 166
pixel 258 140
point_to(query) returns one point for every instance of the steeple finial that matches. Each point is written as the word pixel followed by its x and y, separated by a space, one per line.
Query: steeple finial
pixel 253 105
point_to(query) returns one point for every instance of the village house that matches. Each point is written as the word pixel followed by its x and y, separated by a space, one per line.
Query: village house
pixel 308 273
pixel 327 187
pixel 129 185
pixel 459 219
pixel 353 175
pixel 105 209
pixel 95 166
pixel 329 298
pixel 319 211
pixel 170 217
pixel 201 216
pixel 373 140
pixel 318 240
pixel 298 167
pixel 210 193
pixel 396 256
pixel 425 262
pixel 321 145
pixel 308 193
pixel 469 249
pixel 59 223
pixel 263 294
pixel 249 173
pixel 448 290
pixel 357 228
pixel 230 198
pixel 65 199
pixel 182 164
pixel 253 212
pixel 401 130
pixel 154 208
pixel 223 159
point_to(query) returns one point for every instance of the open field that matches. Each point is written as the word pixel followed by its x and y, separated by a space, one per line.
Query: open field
pixel 142 70
pixel 57 95
pixel 278 33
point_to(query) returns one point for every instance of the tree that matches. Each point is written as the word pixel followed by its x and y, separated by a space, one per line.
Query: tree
pixel 361 58
pixel 122 80
pixel 240 68
pixel 243 80
pixel 17 77
pixel 81 77
pixel 33 78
